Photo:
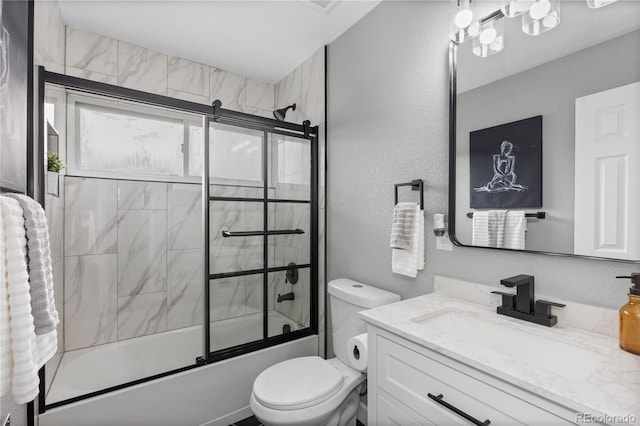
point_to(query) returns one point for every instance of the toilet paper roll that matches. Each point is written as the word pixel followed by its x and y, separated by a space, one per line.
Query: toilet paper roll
pixel 357 352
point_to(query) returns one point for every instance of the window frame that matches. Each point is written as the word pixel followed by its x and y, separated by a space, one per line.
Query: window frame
pixel 96 102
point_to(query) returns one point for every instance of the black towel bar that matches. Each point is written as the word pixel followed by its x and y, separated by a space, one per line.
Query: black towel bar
pixel 537 215
pixel 416 185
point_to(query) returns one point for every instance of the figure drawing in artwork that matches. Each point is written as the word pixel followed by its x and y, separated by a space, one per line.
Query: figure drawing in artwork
pixel 504 176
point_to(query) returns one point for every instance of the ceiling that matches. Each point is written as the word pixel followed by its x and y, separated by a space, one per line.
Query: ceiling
pixel 263 40
pixel 580 27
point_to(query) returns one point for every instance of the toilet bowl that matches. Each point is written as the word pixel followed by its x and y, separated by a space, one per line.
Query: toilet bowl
pixel 307 391
pixel 314 391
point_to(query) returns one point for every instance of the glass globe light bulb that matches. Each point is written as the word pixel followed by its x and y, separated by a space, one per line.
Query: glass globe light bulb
pixel 540 9
pixel 488 36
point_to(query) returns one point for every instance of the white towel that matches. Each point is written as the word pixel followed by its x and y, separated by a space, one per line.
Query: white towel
pixel 421 241
pixel 499 228
pixel 480 232
pixel 43 306
pixel 27 352
pixel 496 227
pixel 404 216
pixel 514 230
pixel 408 262
pixel 24 372
pixel 6 357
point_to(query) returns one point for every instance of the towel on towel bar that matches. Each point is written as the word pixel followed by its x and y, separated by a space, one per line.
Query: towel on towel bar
pixel 23 372
pixel 22 352
pixel 404 216
pixel 515 226
pixel 499 228
pixel 43 307
pixel 496 227
pixel 480 229
pixel 409 262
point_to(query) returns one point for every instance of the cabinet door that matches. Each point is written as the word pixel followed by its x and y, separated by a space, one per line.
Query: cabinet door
pixel 411 377
pixel 390 415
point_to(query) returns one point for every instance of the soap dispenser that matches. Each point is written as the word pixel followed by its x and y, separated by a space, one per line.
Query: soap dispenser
pixel 630 318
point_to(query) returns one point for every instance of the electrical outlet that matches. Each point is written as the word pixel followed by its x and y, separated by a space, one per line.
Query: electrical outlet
pixel 444 243
pixel 7 420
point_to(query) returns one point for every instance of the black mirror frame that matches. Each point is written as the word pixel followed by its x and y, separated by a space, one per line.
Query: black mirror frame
pixel 453 68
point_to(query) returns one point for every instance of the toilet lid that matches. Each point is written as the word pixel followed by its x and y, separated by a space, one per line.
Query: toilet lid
pixel 297 383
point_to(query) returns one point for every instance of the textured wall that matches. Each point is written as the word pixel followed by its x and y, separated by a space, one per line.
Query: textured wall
pixel 388 123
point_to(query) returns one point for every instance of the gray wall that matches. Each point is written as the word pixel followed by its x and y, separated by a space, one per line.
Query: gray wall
pixel 388 121
pixel 549 90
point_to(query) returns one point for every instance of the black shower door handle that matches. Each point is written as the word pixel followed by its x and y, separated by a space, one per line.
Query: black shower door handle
pixel 227 234
pixel 440 400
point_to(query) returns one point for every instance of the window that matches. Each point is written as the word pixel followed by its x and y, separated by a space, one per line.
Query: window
pixel 115 141
pixel 131 141
pixel 235 153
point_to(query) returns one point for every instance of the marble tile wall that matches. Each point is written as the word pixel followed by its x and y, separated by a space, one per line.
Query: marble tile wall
pixel 107 60
pixel 116 62
pixel 49 36
pixel 304 86
pixel 143 242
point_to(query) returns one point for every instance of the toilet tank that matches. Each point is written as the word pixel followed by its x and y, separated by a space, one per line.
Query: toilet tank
pixel 346 299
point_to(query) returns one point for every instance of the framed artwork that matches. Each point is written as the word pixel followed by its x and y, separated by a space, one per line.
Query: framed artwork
pixel 506 165
pixel 16 93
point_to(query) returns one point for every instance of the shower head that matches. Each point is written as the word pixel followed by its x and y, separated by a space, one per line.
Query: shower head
pixel 280 113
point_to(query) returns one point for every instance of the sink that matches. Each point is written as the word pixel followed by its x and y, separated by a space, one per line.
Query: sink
pixel 555 356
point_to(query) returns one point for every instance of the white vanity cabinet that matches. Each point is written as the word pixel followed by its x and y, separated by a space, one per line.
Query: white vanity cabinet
pixel 412 385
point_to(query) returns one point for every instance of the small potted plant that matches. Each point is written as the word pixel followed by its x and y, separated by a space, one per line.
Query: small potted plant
pixel 54 167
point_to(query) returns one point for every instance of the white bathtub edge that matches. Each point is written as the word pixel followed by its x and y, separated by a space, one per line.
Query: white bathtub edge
pixel 194 391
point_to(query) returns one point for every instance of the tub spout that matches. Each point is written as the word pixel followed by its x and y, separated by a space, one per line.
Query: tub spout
pixel 288 296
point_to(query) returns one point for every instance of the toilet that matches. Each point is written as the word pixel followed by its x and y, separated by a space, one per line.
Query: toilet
pixel 314 391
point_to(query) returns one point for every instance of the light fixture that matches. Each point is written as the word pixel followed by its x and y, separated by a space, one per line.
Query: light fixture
pixel 539 9
pixel 538 16
pixel 462 19
pixel 464 16
pixel 597 4
pixel 490 39
pixel 543 16
pixel 513 8
pixel 473 30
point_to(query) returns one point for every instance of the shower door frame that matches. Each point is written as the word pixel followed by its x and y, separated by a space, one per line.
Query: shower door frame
pixel 267 126
pixel 304 131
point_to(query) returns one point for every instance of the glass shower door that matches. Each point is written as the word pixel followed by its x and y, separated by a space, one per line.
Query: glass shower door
pixel 236 250
pixel 260 232
pixel 290 207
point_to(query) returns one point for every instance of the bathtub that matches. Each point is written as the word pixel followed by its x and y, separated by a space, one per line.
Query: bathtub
pixel 92 369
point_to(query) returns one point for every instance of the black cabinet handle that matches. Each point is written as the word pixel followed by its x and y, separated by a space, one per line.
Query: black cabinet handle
pixel 440 400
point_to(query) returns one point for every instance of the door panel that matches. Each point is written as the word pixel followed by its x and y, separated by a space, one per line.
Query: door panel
pixel 606 177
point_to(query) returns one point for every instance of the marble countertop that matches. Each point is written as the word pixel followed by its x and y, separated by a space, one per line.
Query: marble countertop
pixel 612 388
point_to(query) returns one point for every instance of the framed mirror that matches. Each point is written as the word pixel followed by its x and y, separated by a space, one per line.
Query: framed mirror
pixel 545 131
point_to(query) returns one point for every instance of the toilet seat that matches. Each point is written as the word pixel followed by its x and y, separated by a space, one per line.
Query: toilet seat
pixel 297 383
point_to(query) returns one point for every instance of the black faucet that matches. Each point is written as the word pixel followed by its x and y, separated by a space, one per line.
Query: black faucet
pixel 523 305
pixel 288 296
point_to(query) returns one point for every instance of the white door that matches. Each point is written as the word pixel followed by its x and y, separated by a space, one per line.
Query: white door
pixel 606 174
